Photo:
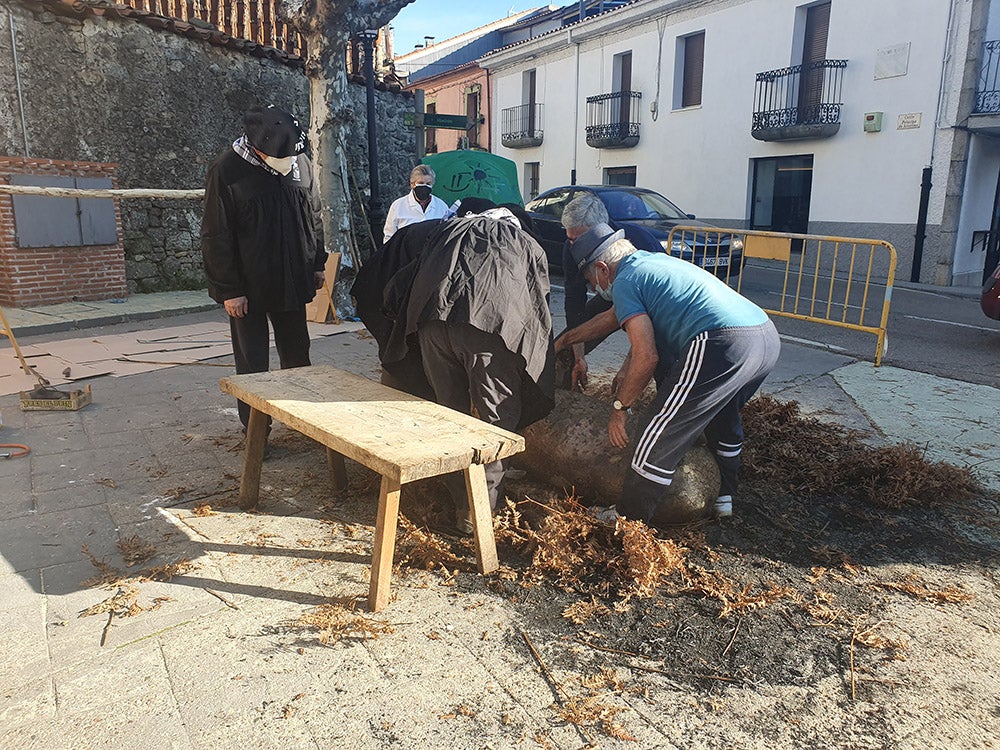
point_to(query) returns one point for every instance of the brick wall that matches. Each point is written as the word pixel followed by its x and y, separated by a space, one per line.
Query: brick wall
pixel 44 276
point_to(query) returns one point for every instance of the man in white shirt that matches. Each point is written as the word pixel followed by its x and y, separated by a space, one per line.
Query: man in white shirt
pixel 417 205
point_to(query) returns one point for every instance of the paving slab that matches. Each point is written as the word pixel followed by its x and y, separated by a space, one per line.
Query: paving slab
pixel 951 420
pixel 16 499
pixel 196 673
pixel 82 495
pixel 151 721
pixel 42 540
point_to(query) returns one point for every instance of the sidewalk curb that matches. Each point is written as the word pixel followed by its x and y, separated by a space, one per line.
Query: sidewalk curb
pixel 106 320
pixel 971 292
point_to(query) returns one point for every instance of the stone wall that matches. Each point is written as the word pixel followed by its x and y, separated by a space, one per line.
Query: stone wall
pixel 161 106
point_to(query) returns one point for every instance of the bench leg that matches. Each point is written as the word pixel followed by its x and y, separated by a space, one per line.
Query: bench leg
pixel 482 518
pixel 385 544
pixel 338 470
pixel 253 459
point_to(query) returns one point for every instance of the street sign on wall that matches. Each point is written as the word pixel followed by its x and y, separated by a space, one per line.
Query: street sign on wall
pixel 449 122
pixel 434 120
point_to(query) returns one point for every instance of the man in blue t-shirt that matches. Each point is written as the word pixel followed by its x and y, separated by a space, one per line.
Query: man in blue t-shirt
pixel 708 347
pixel 582 213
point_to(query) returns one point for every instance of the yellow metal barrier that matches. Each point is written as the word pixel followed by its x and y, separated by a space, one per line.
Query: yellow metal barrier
pixel 831 280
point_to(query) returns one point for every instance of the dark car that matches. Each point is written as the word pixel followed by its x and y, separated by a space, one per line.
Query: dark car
pixel 647 218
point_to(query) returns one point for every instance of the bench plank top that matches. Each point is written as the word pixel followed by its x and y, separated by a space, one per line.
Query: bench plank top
pixel 398 435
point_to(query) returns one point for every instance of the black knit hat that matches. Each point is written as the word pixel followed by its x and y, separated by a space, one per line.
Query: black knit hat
pixel 274 132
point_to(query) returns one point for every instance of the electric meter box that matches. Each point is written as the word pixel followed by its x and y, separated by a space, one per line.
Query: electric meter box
pixel 873 122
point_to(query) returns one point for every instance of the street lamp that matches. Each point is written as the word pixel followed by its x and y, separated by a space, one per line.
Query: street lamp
pixel 374 208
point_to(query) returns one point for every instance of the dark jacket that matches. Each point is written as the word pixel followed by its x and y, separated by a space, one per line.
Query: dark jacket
pixel 374 279
pixel 387 322
pixel 262 233
pixel 493 276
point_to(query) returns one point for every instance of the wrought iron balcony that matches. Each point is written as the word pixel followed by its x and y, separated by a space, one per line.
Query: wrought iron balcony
pixel 613 119
pixel 802 101
pixel 988 90
pixel 521 127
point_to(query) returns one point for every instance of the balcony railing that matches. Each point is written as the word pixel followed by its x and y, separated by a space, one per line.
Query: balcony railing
pixel 802 101
pixel 988 90
pixel 613 119
pixel 521 127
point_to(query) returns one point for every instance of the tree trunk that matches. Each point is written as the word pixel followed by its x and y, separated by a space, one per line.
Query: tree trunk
pixel 327 25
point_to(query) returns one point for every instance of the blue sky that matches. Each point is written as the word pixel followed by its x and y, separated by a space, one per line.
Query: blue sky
pixel 446 18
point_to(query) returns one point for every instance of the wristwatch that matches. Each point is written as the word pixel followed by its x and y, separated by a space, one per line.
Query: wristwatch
pixel 619 406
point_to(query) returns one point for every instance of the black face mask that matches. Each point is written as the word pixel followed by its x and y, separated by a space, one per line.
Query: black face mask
pixel 422 192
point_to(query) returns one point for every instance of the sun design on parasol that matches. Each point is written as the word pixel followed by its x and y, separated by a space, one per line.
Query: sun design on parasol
pixel 476 179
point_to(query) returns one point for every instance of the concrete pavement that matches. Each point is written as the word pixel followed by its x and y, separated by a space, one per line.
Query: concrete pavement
pixel 214 658
pixel 67 316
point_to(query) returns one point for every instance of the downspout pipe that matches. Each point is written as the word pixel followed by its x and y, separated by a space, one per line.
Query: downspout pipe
pixel 576 106
pixel 17 78
pixel 921 234
pixel 374 199
pixel 489 111
pixel 926 178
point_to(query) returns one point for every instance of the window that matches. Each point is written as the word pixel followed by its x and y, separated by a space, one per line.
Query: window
pixel 694 65
pixel 814 36
pixel 531 170
pixel 619 176
pixel 689 68
pixel 553 204
pixel 528 93
pixel 45 221
pixel 472 112
pixel 430 134
pixel 528 86
pixel 622 74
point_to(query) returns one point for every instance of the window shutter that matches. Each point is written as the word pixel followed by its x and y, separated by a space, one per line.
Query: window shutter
pixel 817 31
pixel 694 67
pixel 813 51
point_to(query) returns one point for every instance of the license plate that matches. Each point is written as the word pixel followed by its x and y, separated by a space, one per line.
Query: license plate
pixel 713 262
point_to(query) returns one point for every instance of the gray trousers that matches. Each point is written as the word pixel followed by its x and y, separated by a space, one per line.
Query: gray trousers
pixel 468 370
pixel 716 374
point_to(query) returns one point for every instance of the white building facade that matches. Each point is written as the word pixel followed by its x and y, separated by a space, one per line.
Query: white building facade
pixel 824 117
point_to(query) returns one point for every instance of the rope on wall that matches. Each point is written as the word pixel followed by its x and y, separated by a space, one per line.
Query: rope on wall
pixel 59 192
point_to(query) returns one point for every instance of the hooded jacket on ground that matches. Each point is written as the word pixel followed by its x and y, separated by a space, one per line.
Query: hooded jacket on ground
pixel 493 276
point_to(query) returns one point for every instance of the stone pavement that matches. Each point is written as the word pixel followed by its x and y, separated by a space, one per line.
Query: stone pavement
pixel 27 321
pixel 214 660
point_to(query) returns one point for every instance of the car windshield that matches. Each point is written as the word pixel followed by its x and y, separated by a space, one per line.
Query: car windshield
pixel 626 205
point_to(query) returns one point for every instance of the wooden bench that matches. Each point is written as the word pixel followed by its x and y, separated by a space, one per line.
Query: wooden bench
pixel 402 437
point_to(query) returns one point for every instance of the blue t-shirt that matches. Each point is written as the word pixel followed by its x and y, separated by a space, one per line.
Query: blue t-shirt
pixel 681 299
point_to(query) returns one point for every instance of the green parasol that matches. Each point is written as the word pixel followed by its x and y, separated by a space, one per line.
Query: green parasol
pixel 480 174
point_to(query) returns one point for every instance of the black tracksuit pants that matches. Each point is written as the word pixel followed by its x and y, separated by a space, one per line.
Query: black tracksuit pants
pixel 470 369
pixel 703 392
pixel 252 349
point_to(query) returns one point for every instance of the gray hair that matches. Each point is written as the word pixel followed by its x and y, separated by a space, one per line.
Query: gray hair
pixel 619 249
pixel 585 210
pixel 421 170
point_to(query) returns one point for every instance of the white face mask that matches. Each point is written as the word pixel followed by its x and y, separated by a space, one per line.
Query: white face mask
pixel 282 165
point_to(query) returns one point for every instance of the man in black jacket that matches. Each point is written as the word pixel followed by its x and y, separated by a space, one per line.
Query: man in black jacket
pixel 262 241
pixel 478 305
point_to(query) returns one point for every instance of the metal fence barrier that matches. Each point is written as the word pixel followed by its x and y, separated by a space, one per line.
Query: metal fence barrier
pixel 839 281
